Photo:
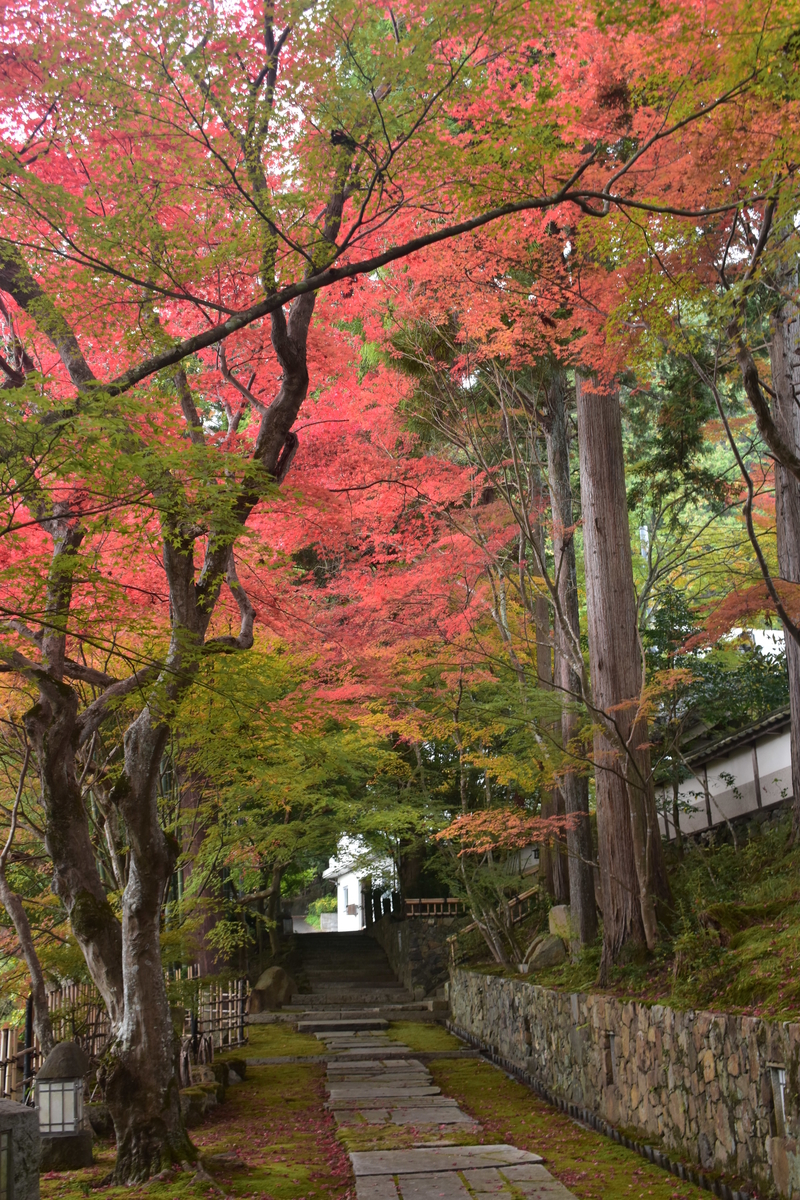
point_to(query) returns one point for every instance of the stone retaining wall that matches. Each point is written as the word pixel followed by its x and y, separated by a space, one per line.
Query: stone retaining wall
pixel 722 1091
pixel 417 949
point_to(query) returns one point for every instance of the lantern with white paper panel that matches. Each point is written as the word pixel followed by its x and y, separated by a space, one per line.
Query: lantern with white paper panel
pixel 66 1142
pixel 59 1090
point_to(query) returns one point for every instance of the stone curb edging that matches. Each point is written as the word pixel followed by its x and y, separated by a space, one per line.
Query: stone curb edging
pixel 657 1157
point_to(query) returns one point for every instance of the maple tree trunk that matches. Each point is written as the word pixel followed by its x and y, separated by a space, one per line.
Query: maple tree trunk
pixel 632 867
pixel 574 786
pixel 676 816
pixel 52 729
pixel 13 905
pixel 785 364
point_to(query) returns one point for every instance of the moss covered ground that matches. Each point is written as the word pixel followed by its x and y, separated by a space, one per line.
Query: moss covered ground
pixel 730 937
pixel 591 1166
pixel 272 1041
pixel 271 1139
pixel 423 1038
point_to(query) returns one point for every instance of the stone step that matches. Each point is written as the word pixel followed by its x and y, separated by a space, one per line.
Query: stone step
pixel 334 975
pixel 354 996
pixel 325 1024
pixel 344 1012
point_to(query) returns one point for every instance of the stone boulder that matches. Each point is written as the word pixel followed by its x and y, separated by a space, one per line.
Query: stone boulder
pixel 549 953
pixel 99 1119
pixel 236 1066
pixel 273 989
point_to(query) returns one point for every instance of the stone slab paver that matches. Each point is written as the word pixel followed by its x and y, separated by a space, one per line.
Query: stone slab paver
pixel 377 1091
pixel 546 1190
pixel 377 1187
pixel 441 1186
pixel 438 1158
pixel 367 1078
pixel 527 1172
pixel 486 1181
pixel 444 1114
pixel 318 1024
pixel 392 1102
pixel 373 1081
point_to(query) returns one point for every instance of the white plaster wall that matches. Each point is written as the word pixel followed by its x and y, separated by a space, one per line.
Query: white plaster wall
pixel 775 777
pixel 775 767
pixel 349 892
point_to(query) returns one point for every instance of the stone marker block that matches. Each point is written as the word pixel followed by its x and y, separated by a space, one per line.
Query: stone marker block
pixel 559 921
pixel 21 1141
pixel 67 1152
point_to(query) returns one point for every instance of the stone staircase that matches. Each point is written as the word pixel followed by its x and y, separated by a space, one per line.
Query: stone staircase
pixel 348 979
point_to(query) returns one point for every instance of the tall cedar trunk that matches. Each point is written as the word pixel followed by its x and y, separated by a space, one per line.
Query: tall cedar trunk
pixel 409 868
pixel 631 858
pixel 574 786
pixel 274 911
pixel 785 362
pixel 552 858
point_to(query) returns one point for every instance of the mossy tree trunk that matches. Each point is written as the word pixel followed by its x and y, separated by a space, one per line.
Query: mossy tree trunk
pixel 574 785
pixel 785 364
pixel 632 869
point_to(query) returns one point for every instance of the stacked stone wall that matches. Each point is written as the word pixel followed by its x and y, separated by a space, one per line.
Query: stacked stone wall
pixel 719 1090
pixel 417 949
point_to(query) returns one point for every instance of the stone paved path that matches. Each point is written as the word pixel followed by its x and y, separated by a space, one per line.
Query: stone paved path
pixel 375 1081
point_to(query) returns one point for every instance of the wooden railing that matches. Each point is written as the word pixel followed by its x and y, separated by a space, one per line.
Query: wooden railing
pixel 439 907
pixel 519 907
pixel 215 1016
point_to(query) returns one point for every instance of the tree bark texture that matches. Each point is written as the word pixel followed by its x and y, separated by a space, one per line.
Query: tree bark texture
pixel 13 905
pixel 574 786
pixel 630 852
pixel 785 364
pixel 552 858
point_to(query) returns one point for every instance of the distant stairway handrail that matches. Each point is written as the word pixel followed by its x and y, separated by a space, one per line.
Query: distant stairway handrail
pixel 436 907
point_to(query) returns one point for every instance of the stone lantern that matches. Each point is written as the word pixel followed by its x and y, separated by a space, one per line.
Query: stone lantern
pixel 66 1142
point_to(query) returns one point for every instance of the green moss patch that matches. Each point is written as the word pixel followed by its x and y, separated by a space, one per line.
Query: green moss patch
pixel 427 1038
pixel 271 1041
pixel 729 943
pixel 591 1166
